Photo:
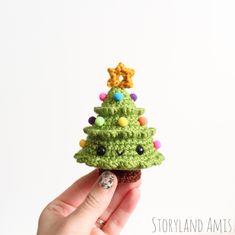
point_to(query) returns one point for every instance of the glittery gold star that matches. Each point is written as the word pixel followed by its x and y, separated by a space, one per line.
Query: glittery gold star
pixel 120 71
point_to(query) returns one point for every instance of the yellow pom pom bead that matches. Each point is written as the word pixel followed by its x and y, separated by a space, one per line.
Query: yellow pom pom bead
pixel 123 122
pixel 82 143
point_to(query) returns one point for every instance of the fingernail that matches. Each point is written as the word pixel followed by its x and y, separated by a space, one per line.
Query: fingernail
pixel 106 179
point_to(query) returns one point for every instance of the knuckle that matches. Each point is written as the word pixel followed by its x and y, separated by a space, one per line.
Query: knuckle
pixel 91 201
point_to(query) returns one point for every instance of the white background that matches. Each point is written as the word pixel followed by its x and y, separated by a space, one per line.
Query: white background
pixel 53 61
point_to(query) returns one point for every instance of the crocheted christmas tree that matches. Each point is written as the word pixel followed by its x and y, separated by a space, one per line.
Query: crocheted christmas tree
pixel 118 139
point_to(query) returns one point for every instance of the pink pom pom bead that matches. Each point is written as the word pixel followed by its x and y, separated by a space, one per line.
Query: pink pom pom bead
pixel 157 144
pixel 103 96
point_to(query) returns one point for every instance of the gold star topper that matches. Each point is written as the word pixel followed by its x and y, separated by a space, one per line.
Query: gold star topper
pixel 120 71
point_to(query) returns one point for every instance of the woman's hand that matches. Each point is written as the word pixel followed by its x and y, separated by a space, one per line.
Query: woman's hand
pixel 94 205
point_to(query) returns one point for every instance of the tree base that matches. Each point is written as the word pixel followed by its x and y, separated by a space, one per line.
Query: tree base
pixel 125 176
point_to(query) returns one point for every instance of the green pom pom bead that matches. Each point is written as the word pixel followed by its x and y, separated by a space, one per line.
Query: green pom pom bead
pixel 99 121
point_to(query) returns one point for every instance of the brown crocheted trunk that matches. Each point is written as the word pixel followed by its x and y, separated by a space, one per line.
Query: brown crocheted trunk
pixel 125 176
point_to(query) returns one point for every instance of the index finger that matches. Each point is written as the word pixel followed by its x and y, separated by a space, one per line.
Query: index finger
pixel 78 191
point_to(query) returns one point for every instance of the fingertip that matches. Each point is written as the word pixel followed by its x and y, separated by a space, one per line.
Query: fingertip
pixel 91 176
pixel 77 192
pixel 135 192
pixel 136 184
pixel 108 180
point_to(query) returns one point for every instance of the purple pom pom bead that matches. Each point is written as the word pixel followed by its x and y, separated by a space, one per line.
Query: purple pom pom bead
pixel 133 96
pixel 91 120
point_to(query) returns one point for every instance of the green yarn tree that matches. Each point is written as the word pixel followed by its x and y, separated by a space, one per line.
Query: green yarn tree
pixel 118 138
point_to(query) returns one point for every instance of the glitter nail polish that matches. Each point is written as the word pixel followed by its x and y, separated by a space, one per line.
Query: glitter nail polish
pixel 106 180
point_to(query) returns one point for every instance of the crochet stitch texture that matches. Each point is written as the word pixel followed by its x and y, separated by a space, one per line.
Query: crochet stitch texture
pixel 119 144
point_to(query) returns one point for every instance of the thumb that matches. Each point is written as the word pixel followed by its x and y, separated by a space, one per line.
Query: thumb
pixel 96 201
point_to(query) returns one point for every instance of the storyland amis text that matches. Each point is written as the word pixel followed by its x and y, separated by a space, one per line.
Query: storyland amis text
pixel 176 225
